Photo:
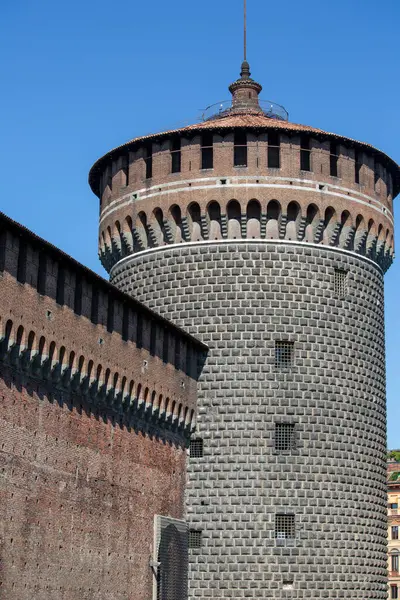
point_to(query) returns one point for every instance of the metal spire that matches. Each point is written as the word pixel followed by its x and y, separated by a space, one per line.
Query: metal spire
pixel 245 30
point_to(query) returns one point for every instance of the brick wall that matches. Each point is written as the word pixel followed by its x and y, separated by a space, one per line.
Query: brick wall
pixel 78 497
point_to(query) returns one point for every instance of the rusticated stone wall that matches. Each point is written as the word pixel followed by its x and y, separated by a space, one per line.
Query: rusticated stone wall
pixel 241 298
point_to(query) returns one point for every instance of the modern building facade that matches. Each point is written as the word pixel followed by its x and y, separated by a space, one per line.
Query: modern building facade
pixel 393 529
pixel 268 241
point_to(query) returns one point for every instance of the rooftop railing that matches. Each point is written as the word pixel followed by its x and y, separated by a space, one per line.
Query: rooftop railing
pixel 270 109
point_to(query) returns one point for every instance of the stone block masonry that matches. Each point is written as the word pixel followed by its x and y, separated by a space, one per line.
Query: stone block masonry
pixel 240 298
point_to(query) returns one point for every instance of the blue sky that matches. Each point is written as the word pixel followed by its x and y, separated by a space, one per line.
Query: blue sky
pixel 79 78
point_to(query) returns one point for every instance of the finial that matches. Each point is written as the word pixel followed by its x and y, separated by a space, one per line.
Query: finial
pixel 245 32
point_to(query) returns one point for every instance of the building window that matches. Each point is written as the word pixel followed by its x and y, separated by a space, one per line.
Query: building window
pixel 153 337
pixel 177 360
pixel 284 527
pixel 340 282
pixel 357 166
pixel 207 151
pixel 333 159
pixel 148 157
pixel 60 285
pixel 285 438
pixel 240 149
pixel 274 150
pixel 22 258
pixel 394 505
pixel 305 153
pixel 284 354
pixel 395 562
pixel 395 532
pixel 42 274
pixel 165 346
pixel 78 295
pixel 110 314
pixel 176 155
pixel 194 538
pixel 394 592
pixel 196 448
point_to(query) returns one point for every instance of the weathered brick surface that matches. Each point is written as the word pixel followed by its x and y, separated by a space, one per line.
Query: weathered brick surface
pixel 240 298
pixel 78 498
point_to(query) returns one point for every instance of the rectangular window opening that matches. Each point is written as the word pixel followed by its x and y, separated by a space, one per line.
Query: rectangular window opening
pixel 22 258
pixel 240 149
pixel 274 150
pixel 42 274
pixel 284 527
pixel 284 355
pixel 394 592
pixel 340 283
pixel 149 161
pixel 165 345
pixel 357 167
pixel 176 155
pixel 285 438
pixel 305 153
pixel 60 285
pixel 153 337
pixel 395 532
pixel 78 295
pixel 194 538
pixel 395 562
pixel 94 309
pixel 110 314
pixel 196 448
pixel 125 323
pixel 333 158
pixel 207 151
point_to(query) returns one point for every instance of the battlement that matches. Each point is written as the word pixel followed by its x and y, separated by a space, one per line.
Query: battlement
pixel 65 326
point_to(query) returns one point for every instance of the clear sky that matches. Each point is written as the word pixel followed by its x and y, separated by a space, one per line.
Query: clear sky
pixel 81 77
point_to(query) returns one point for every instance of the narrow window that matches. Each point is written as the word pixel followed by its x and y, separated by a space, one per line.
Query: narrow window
pixel 177 360
pixel 189 356
pixel 60 285
pixel 153 337
pixel 395 562
pixel 207 151
pixel 284 527
pixel 149 161
pixel 194 538
pixel 125 323
pixel 196 448
pixel 284 354
pixel 240 149
pixel 394 592
pixel 165 345
pixel 305 153
pixel 394 505
pixel 285 436
pixel 395 532
pixel 94 309
pixel 78 295
pixel 333 159
pixel 110 314
pixel 340 283
pixel 139 330
pixel 357 166
pixel 42 273
pixel 126 170
pixel 377 174
pixel 22 257
pixel 274 150
pixel 176 155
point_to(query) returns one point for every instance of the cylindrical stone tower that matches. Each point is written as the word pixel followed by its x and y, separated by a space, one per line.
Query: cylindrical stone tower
pixel 268 240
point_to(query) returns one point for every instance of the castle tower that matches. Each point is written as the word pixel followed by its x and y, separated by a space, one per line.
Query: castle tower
pixel 268 240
